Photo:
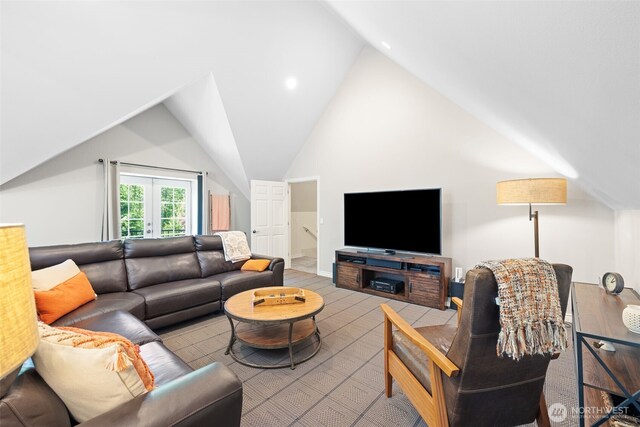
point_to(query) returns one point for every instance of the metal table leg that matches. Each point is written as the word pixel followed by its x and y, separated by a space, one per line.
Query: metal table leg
pixel 232 339
pixel 291 345
pixel 578 344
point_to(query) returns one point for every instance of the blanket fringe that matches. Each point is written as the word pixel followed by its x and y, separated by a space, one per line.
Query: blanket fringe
pixel 546 338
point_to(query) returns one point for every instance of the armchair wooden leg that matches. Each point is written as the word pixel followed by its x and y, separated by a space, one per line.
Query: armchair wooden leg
pixel 387 346
pixel 438 395
pixel 543 413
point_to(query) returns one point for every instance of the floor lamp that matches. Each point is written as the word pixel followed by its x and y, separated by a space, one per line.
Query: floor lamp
pixel 18 321
pixel 532 191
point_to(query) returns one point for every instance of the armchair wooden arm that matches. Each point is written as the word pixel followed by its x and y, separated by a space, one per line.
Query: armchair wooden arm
pixel 429 349
pixel 458 302
pixel 431 406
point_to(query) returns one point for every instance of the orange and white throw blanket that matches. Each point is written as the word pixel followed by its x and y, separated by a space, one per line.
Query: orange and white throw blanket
pixel 530 313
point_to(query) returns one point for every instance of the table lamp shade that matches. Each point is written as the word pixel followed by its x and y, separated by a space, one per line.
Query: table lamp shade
pixel 18 319
pixel 533 191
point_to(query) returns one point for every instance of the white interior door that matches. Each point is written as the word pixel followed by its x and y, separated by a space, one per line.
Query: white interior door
pixel 270 219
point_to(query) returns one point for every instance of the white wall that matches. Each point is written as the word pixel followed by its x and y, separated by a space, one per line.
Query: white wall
pixel 386 130
pixel 304 213
pixel 303 243
pixel 61 200
pixel 627 247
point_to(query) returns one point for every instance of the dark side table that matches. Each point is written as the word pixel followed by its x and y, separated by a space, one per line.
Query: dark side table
pixel 598 316
pixel 456 289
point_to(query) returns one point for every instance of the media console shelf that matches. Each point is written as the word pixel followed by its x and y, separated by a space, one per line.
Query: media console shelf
pixel 426 278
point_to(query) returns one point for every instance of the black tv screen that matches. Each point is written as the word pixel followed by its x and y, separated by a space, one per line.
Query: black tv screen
pixel 408 220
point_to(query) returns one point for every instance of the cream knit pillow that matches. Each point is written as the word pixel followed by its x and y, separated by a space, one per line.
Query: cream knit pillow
pixel 47 278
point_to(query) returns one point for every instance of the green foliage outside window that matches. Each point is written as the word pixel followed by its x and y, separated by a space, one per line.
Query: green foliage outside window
pixel 173 211
pixel 131 211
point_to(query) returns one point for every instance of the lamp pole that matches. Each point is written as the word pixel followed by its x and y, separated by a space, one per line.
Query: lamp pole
pixel 534 216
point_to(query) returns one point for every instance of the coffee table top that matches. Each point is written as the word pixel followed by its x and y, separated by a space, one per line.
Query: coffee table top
pixel 240 307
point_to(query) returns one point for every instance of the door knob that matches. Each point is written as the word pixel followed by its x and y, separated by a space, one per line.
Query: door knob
pixel 254 231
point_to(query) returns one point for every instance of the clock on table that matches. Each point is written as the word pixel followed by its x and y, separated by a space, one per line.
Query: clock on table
pixel 613 283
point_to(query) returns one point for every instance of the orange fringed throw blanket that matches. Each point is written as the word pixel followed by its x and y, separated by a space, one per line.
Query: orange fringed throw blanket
pixel 530 313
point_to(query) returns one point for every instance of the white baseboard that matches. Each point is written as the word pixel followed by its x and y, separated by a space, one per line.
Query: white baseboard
pixel 325 274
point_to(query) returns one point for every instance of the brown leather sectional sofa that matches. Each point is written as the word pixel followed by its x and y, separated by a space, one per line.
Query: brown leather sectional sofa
pixel 159 282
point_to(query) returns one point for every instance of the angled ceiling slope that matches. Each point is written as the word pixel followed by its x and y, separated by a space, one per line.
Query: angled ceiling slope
pixel 199 108
pixel 71 70
pixel 560 78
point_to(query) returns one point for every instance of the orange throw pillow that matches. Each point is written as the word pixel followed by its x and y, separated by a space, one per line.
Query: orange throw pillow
pixel 64 298
pixel 256 265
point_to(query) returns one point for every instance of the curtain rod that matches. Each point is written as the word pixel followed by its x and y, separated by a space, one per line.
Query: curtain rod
pixel 115 162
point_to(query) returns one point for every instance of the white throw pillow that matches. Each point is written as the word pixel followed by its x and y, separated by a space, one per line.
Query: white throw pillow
pixel 90 381
pixel 47 278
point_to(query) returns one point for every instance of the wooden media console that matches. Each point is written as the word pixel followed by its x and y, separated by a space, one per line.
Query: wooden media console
pixel 425 278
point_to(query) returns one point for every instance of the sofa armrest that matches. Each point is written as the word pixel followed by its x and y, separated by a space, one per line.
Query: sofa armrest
pixel 277 266
pixel 210 393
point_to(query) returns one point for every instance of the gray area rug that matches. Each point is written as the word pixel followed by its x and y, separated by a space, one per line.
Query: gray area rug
pixel 342 385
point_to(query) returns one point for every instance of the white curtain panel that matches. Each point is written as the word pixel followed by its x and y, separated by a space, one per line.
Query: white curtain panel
pixel 111 210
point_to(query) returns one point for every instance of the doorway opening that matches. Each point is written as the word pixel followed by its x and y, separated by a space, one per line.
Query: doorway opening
pixel 303 224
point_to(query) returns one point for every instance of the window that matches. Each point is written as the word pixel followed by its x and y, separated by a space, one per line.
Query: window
pixel 157 207
pixel 132 211
pixel 173 211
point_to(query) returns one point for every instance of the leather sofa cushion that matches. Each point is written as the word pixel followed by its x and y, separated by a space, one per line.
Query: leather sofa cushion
pixel 150 271
pixel 107 276
pixel 208 243
pixel 31 402
pixel 105 303
pixel 121 323
pixel 237 281
pixel 183 315
pixel 102 262
pixel 441 336
pixel 211 256
pixel 163 364
pixel 80 253
pixel 213 262
pixel 140 248
pixel 175 296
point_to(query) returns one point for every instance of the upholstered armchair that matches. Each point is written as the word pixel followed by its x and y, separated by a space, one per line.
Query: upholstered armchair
pixel 452 375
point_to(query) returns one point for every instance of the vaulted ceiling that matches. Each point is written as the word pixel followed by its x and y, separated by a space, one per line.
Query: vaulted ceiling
pixel 71 70
pixel 561 78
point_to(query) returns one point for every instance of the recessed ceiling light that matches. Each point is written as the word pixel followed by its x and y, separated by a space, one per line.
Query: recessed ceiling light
pixel 291 83
pixel 387 45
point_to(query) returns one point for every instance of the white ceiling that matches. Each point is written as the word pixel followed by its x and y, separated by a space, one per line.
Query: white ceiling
pixel 561 78
pixel 71 70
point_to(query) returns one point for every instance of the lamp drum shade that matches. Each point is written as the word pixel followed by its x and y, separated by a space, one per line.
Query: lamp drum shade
pixel 18 319
pixel 533 191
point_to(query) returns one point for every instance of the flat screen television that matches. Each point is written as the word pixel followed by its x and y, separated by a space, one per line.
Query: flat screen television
pixel 407 220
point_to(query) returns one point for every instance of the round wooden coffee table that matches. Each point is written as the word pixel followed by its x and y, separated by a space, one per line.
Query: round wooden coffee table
pixel 273 326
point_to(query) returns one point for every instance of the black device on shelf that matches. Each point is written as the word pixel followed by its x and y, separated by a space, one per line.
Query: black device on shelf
pixel 387 284
pixel 384 263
